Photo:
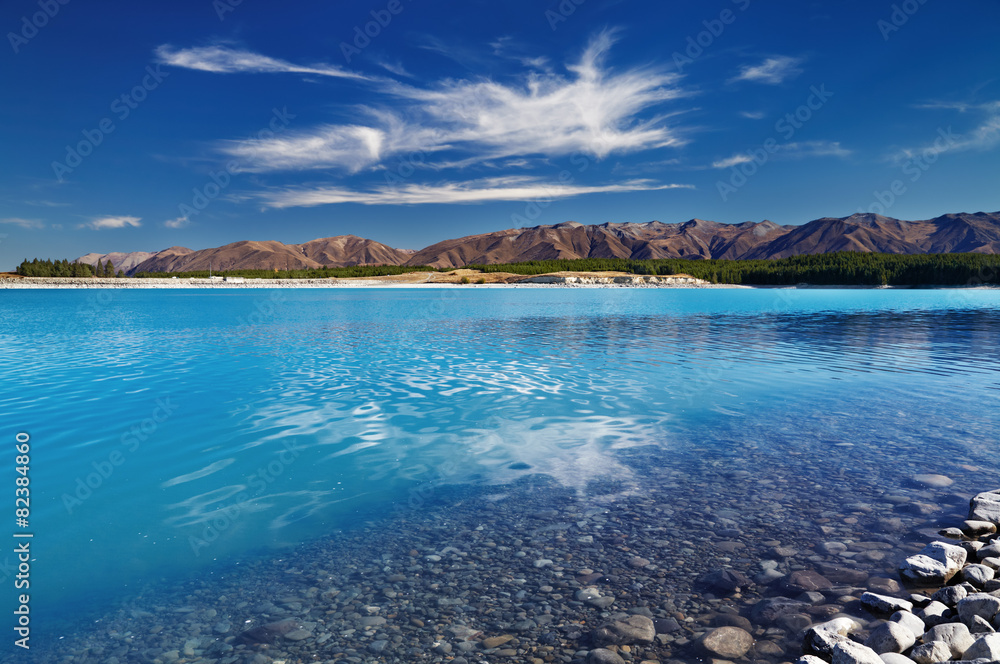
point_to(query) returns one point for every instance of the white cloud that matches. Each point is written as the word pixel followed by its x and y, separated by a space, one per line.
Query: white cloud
pixel 224 60
pixel 735 160
pixel 985 136
pixel 594 111
pixel 753 115
pixel 103 223
pixel 31 224
pixel 814 149
pixel 797 150
pixel 476 191
pixel 773 71
pixel 179 222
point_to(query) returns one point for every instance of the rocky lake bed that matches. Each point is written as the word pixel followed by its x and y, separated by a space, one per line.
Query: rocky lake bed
pixel 702 559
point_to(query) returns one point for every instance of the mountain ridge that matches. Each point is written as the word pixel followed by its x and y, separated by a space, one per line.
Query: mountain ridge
pixel 694 239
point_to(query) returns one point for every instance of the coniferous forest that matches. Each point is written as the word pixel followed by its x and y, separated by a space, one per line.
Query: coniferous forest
pixel 842 268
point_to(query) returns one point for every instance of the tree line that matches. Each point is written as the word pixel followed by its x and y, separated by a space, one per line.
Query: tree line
pixel 65 268
pixel 844 268
pixel 305 273
pixel 834 269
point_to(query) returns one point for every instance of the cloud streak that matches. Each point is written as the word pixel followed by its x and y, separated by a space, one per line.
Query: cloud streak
pixel 773 71
pixel 477 191
pixel 30 224
pixel 797 150
pixel 985 136
pixel 224 60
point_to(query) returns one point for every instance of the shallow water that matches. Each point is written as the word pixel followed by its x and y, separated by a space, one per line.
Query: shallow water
pixel 182 436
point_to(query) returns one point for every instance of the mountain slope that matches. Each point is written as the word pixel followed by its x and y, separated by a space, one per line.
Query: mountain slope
pixel 695 239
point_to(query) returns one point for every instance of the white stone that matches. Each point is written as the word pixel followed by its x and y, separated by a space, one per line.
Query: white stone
pixel 849 652
pixel 991 550
pixel 823 637
pixel 890 637
pixel 895 658
pixel 985 507
pixel 955 635
pixel 978 528
pixel 933 480
pixel 931 652
pixel 935 613
pixel 910 622
pixel 986 647
pixel 935 565
pixel 978 604
pixel 884 603
pixel 979 625
pixel 978 575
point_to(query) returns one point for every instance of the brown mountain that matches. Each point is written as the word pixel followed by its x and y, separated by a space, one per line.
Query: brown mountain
pixel 950 233
pixel 338 251
pixel 346 250
pixel 696 239
pixel 120 261
pixel 692 239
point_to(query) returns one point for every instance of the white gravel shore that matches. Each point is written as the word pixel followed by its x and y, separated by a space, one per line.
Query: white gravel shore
pixel 75 283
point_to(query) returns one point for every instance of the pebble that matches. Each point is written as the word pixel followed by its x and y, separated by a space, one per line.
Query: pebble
pixel 496 641
pixel 932 480
pixel 727 642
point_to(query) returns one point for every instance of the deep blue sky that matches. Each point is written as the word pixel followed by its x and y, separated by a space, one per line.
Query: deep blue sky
pixel 471 116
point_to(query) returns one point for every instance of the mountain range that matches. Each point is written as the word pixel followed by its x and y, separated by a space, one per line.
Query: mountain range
pixel 694 239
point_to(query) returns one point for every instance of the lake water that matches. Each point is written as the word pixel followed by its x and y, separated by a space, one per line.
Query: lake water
pixel 199 456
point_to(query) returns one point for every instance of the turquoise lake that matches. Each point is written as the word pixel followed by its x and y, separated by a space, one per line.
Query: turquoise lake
pixel 178 436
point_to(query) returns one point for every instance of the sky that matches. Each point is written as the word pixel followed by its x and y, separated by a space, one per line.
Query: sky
pixel 128 126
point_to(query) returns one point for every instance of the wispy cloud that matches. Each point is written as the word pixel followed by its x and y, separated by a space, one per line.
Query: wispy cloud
pixel 593 110
pixel 773 71
pixel 221 59
pixel 43 203
pixel 814 149
pixel 476 191
pixel 985 136
pixel 729 162
pixel 104 223
pixel 179 222
pixel 753 115
pixel 31 224
pixel 797 150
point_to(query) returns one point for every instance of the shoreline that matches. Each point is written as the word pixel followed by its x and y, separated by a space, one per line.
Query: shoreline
pixel 70 283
